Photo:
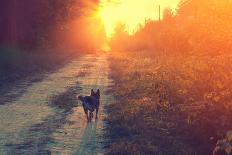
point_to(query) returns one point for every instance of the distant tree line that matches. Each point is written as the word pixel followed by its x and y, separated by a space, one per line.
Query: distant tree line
pixel 196 26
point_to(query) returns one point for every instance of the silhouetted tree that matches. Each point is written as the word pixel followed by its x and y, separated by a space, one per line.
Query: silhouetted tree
pixel 30 23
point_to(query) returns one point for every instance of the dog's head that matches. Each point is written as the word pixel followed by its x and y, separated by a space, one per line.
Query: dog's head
pixel 95 94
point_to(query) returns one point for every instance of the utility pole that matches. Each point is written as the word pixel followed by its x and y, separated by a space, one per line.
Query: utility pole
pixel 159 13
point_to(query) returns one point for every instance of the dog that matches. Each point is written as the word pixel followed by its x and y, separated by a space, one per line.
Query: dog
pixel 90 103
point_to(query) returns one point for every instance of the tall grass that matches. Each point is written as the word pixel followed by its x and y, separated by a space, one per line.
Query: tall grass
pixel 169 104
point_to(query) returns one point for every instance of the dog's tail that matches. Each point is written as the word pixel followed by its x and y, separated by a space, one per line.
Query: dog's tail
pixel 79 97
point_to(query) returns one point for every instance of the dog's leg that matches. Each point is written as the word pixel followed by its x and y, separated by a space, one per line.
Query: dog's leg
pixel 86 112
pixel 97 108
pixel 88 116
pixel 91 115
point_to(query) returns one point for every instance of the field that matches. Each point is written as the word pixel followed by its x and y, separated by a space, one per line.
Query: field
pixel 169 104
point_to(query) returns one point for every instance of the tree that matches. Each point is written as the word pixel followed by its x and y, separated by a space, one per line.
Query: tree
pixel 120 38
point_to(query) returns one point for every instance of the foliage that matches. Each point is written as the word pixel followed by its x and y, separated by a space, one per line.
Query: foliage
pixel 224 146
pixel 182 103
pixel 198 27
pixel 33 23
pixel 190 55
pixel 119 34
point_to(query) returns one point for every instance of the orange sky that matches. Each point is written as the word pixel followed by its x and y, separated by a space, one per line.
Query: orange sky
pixel 131 12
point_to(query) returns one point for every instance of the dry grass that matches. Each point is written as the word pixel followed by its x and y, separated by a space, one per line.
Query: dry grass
pixel 15 64
pixel 169 104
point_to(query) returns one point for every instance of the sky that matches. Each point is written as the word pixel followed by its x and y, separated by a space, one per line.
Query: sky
pixel 132 13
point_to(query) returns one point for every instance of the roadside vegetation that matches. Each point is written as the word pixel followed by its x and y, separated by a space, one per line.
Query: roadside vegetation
pixel 16 64
pixel 173 96
pixel 168 105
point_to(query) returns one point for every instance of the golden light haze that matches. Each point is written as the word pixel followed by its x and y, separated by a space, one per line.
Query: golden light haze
pixel 132 13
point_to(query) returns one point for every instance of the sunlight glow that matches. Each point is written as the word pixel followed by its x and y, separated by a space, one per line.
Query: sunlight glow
pixel 132 13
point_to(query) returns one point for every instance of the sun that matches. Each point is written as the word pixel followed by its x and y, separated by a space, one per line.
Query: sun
pixel 132 13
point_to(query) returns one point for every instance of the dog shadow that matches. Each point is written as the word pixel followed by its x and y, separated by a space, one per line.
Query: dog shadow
pixel 89 140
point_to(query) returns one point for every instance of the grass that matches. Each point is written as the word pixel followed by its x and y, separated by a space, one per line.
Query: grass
pixel 169 104
pixel 16 64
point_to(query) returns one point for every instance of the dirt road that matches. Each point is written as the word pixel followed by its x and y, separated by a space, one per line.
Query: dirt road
pixel 30 125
